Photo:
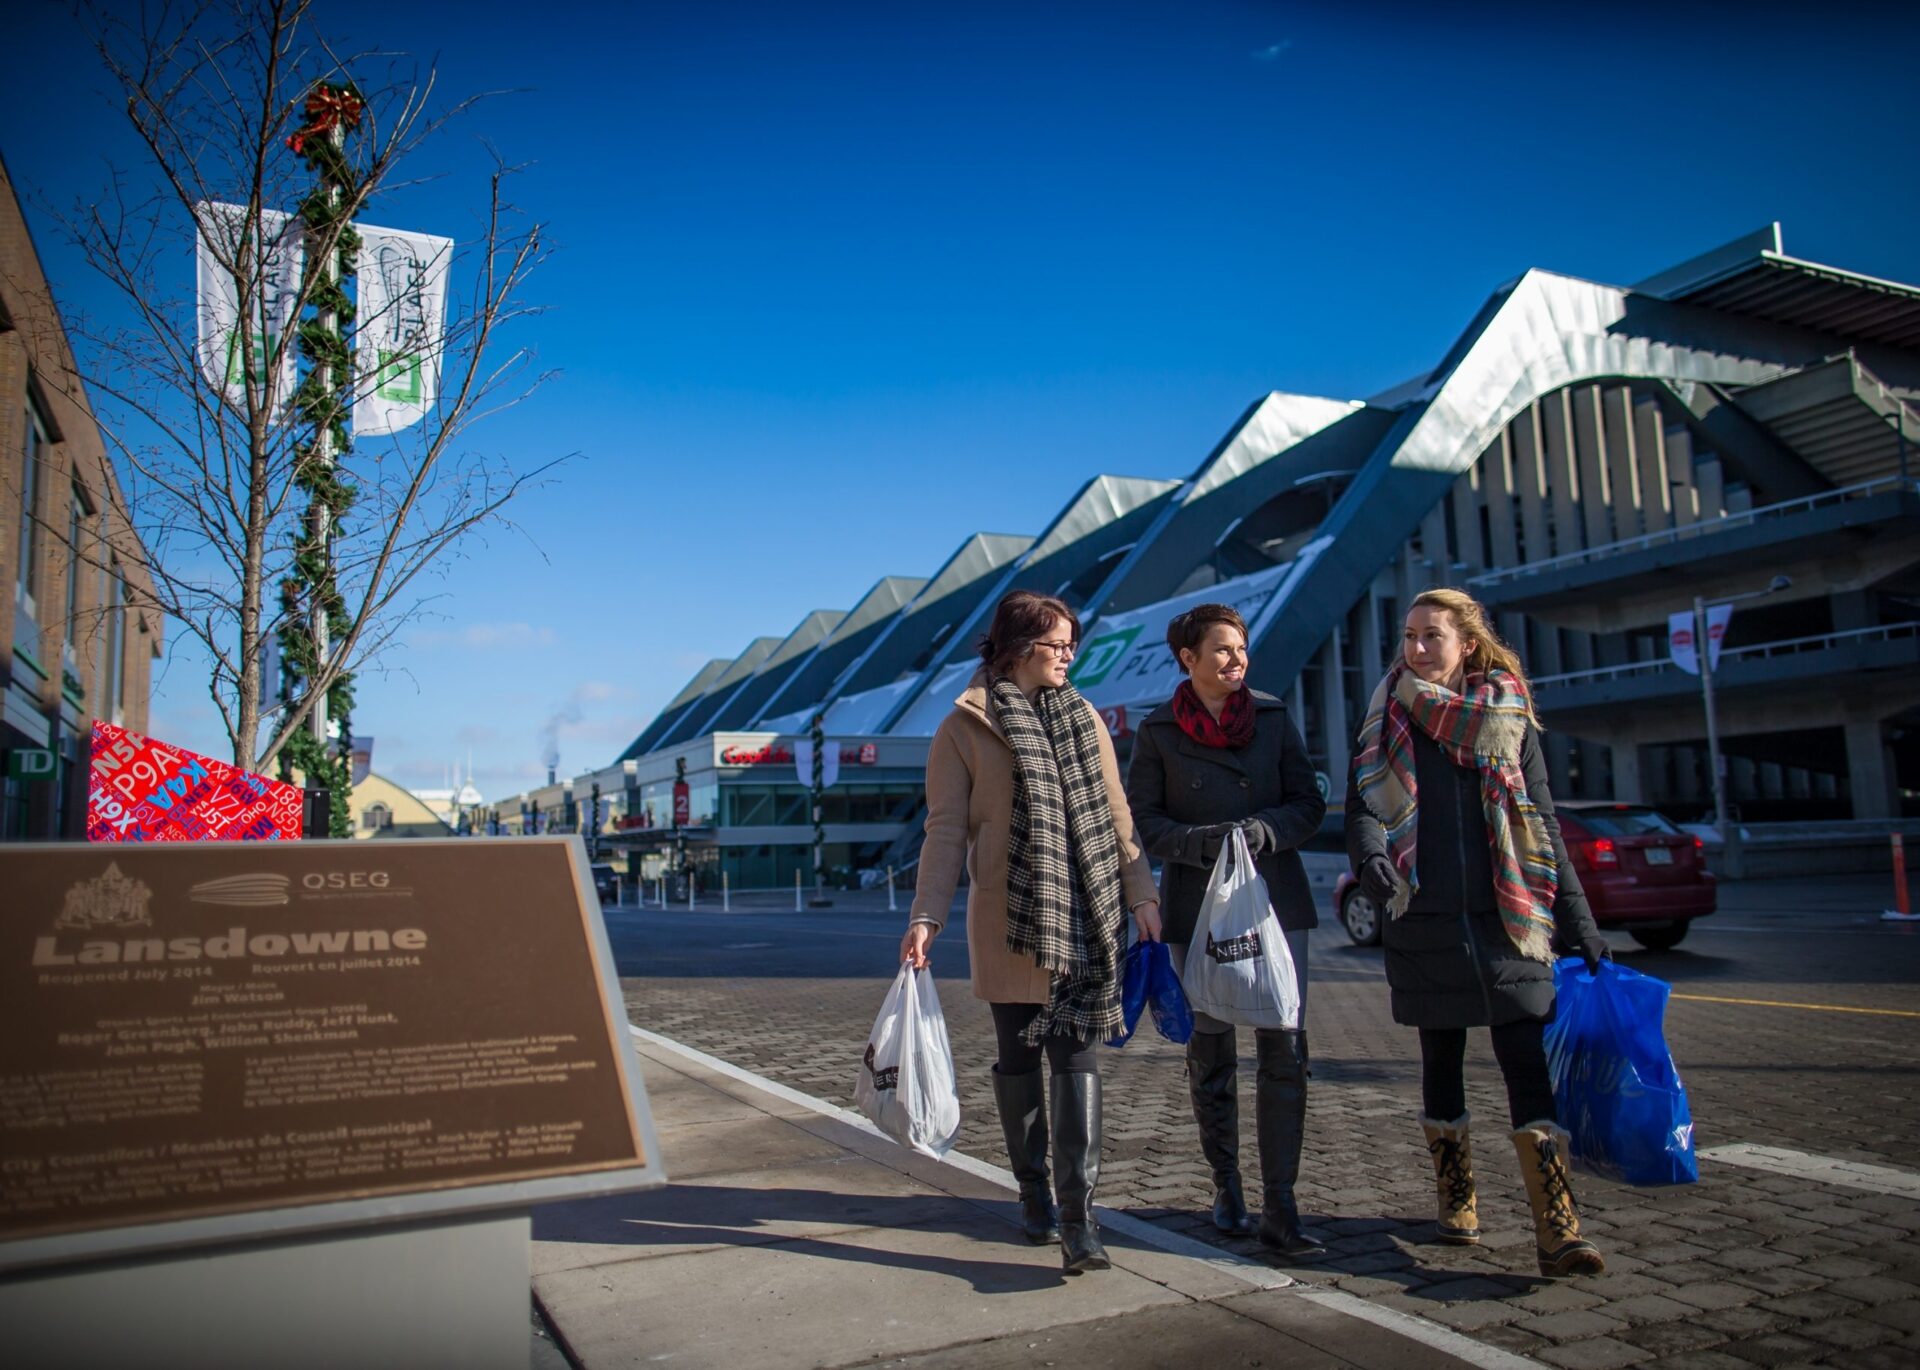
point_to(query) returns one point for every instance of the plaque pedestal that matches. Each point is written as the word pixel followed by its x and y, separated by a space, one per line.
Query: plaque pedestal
pixel 448 1292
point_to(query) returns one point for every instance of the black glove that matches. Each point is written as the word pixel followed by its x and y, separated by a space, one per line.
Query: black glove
pixel 1593 951
pixel 1377 879
pixel 1259 837
pixel 1212 837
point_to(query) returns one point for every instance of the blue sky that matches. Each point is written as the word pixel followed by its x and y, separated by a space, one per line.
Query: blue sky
pixel 839 285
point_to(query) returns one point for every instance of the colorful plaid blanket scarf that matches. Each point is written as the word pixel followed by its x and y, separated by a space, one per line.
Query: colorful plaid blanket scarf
pixel 1483 727
pixel 1064 907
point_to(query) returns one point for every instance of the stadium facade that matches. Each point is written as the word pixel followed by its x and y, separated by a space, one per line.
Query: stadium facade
pixel 1586 459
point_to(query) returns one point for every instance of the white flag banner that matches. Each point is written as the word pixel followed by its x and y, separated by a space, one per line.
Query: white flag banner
pixel 275 242
pixel 1680 638
pixel 829 762
pixel 400 327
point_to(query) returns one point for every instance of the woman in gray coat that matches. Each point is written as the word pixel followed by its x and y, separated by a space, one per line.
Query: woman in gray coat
pixel 1216 757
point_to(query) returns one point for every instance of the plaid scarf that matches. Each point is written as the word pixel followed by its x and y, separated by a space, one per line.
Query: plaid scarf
pixel 1483 726
pixel 1063 860
pixel 1234 727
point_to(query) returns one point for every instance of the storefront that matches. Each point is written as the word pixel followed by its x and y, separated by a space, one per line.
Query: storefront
pixel 737 805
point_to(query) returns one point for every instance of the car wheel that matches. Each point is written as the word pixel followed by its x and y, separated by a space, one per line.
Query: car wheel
pixel 1661 936
pixel 1361 917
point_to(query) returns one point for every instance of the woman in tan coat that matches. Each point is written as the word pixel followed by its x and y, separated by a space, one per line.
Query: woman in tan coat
pixel 1023 792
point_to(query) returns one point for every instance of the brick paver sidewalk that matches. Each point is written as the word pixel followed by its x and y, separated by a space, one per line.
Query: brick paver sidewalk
pixel 1745 1268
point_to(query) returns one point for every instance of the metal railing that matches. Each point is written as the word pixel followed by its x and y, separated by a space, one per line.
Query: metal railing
pixel 1725 523
pixel 1822 642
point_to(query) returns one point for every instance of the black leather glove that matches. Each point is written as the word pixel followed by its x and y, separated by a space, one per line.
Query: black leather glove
pixel 1593 951
pixel 1377 879
pixel 1260 838
pixel 1212 837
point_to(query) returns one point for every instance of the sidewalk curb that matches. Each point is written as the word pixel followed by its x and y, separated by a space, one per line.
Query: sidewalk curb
pixel 1252 1273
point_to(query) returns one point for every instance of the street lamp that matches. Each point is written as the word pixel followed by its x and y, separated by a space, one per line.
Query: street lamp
pixel 1704 648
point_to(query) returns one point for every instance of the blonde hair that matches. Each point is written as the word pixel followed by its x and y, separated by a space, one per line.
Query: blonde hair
pixel 1489 651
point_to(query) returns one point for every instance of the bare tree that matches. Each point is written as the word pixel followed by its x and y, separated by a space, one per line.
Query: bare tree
pixel 218 470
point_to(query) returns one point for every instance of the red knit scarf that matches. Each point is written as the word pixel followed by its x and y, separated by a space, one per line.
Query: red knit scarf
pixel 1234 727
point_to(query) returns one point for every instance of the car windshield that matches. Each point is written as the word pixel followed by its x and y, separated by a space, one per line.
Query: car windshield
pixel 1624 822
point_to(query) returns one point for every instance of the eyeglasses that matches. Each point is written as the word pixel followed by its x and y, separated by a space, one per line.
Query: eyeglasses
pixel 1060 651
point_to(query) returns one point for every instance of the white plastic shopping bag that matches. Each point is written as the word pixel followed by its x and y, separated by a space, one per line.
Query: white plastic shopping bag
pixel 1238 967
pixel 906 1078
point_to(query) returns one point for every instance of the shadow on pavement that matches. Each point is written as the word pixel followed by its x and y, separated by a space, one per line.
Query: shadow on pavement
pixel 589 1222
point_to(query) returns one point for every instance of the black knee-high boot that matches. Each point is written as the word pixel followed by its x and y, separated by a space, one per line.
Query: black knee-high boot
pixel 1280 1109
pixel 1076 1169
pixel 1023 1120
pixel 1213 1067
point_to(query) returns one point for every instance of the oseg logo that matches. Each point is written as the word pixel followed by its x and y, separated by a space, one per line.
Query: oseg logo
pixel 1245 947
pixel 882 1079
pixel 345 880
pixel 242 891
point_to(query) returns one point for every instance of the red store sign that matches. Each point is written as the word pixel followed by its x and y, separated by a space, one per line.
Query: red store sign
pixel 866 754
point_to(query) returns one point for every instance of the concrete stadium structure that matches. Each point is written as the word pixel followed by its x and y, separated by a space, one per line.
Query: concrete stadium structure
pixel 1586 459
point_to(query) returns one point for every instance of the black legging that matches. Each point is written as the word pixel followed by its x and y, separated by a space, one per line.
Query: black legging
pixel 1066 1054
pixel 1519 1048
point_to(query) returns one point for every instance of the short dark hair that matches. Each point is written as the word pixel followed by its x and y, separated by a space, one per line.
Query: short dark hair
pixel 1021 619
pixel 1187 631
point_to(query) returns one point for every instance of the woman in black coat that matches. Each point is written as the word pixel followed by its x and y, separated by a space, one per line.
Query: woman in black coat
pixel 1450 828
pixel 1216 757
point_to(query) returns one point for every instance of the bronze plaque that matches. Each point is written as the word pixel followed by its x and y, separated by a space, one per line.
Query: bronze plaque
pixel 189 1031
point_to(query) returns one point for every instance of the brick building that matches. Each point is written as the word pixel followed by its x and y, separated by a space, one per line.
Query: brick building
pixel 77 614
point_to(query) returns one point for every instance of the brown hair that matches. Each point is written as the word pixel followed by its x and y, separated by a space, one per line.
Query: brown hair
pixel 1489 651
pixel 1021 619
pixel 1187 631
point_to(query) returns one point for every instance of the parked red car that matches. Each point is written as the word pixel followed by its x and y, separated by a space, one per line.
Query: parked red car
pixel 1642 874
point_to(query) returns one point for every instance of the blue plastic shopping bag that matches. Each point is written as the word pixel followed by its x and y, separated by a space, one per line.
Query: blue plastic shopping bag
pixel 1614 1082
pixel 1147 980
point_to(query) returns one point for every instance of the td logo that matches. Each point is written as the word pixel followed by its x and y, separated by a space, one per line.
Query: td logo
pixel 1100 656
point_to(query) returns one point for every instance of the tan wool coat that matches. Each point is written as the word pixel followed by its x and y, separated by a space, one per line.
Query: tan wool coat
pixel 969 799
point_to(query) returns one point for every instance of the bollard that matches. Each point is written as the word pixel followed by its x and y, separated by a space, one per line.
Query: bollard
pixel 693 893
pixel 726 893
pixel 890 904
pixel 796 891
pixel 1902 912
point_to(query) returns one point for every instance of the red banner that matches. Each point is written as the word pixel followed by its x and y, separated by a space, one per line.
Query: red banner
pixel 140 790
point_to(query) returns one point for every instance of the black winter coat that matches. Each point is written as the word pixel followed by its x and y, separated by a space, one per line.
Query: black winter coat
pixel 1176 786
pixel 1450 963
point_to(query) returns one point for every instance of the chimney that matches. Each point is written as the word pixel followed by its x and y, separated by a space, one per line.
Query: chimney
pixel 552 775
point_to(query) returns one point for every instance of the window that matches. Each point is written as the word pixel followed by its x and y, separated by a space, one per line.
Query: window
pixel 375 817
pixel 27 587
pixel 77 511
pixel 115 692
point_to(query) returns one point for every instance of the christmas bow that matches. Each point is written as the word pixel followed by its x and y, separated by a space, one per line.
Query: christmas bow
pixel 326 107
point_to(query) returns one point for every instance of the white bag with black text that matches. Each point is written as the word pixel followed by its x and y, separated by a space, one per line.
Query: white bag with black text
pixel 906 1078
pixel 1238 967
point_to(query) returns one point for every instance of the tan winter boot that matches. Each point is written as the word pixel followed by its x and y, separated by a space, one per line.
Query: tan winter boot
pixel 1452 1156
pixel 1558 1244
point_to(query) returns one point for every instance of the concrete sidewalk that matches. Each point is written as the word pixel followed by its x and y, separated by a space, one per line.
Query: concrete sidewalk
pixel 792 1235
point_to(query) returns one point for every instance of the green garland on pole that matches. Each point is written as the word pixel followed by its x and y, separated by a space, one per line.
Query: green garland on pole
pixel 323 400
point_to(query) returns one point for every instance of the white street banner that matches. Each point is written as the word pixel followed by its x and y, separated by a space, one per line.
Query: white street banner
pixel 276 244
pixel 1680 634
pixel 1124 659
pixel 400 327
pixel 829 762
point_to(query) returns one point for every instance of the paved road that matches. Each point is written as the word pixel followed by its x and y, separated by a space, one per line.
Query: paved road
pixel 1795 1021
